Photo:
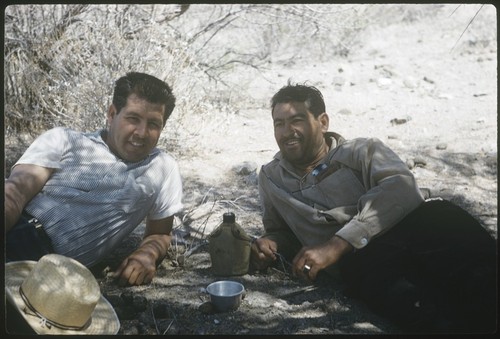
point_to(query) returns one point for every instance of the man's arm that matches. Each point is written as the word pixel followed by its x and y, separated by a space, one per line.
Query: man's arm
pixel 391 190
pixel 140 267
pixel 24 182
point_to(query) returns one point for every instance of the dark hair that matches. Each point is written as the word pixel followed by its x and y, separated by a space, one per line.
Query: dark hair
pixel 309 95
pixel 146 87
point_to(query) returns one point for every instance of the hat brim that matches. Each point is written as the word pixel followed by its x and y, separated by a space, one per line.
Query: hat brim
pixel 103 320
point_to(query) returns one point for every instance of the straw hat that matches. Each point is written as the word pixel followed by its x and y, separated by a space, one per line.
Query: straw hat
pixel 58 295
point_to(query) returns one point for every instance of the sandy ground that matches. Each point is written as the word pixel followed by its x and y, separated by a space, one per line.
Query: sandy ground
pixel 418 85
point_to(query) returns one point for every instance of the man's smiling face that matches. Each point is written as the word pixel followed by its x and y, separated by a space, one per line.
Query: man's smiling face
pixel 135 130
pixel 298 133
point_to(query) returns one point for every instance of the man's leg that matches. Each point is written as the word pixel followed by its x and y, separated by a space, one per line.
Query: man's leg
pixel 433 272
pixel 457 258
pixel 377 275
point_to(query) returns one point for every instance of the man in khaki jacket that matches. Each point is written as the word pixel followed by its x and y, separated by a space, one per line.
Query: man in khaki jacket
pixel 355 208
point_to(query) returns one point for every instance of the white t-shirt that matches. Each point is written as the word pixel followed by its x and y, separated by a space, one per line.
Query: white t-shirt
pixel 93 199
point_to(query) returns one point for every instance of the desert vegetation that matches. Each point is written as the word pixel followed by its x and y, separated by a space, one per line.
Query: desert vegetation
pixel 61 60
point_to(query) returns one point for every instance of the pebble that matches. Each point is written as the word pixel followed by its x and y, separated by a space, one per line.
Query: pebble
pixel 252 179
pixel 428 80
pixel 384 82
pixel 160 310
pixel 245 168
pixel 140 303
pixel 344 111
pixel 400 121
pixel 207 308
pixel 410 163
pixel 410 82
pixel 132 330
pixel 416 162
pixel 338 81
pixel 419 161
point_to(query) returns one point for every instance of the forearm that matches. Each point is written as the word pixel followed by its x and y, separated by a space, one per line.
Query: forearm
pixel 14 204
pixel 23 184
pixel 340 245
pixel 155 246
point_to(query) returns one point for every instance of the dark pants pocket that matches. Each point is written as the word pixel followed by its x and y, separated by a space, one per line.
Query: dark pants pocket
pixel 25 242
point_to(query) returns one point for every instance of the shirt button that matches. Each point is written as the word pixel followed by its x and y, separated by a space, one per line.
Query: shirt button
pixel 364 241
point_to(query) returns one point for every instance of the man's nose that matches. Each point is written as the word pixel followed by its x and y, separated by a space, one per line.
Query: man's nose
pixel 141 130
pixel 289 130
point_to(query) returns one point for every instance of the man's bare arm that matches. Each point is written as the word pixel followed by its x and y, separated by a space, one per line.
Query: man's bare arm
pixel 24 182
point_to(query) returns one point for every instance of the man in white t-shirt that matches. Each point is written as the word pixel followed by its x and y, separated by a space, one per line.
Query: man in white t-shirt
pixel 80 194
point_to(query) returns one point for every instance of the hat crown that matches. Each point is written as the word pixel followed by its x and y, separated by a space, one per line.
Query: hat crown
pixel 61 290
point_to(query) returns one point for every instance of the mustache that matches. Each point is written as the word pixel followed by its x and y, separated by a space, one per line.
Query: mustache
pixel 295 136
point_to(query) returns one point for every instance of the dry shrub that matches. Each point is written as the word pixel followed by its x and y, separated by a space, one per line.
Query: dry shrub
pixel 61 60
pixel 61 63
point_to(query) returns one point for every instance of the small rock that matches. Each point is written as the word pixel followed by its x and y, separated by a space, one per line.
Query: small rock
pixel 252 179
pixel 115 300
pixel 441 146
pixel 132 330
pixel 410 163
pixel 400 121
pixel 419 161
pixel 140 303
pixel 245 168
pixel 426 192
pixel 180 260
pixel 445 96
pixel 428 80
pixel 207 308
pixel 344 111
pixel 338 81
pixel 160 310
pixel 127 297
pixel 125 313
pixel 384 82
pixel 410 82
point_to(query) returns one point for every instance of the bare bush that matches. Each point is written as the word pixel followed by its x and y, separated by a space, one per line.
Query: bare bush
pixel 61 60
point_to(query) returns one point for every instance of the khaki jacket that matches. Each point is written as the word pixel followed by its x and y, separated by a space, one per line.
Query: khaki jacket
pixel 362 191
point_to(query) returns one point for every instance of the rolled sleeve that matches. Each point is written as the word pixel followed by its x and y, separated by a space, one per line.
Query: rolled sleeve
pixel 392 191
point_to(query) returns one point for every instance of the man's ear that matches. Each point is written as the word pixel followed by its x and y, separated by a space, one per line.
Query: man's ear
pixel 111 112
pixel 324 120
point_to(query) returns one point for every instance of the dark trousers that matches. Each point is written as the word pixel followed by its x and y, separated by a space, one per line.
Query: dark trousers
pixel 434 272
pixel 26 240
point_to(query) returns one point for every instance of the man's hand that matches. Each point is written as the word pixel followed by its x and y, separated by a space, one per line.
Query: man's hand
pixel 140 267
pixel 319 257
pixel 137 269
pixel 262 254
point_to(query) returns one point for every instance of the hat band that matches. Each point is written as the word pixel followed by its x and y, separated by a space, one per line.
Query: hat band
pixel 47 322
